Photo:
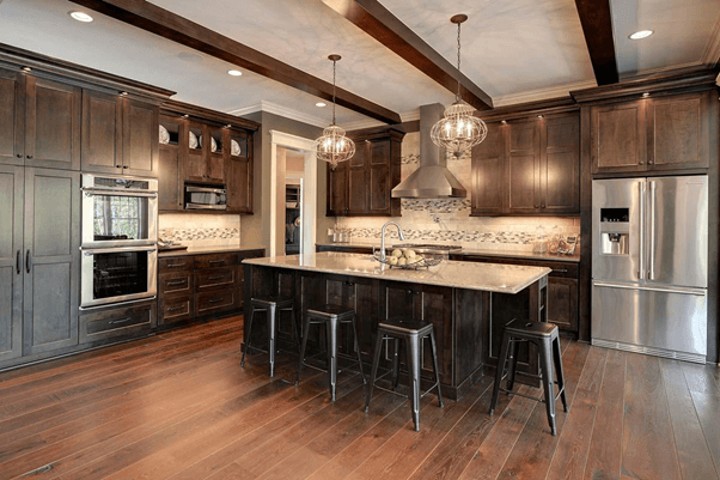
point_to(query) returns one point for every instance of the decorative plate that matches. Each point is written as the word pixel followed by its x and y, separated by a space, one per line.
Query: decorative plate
pixel 213 143
pixel 235 148
pixel 164 135
pixel 193 140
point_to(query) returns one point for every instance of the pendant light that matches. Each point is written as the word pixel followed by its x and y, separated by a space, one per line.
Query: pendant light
pixel 459 130
pixel 333 146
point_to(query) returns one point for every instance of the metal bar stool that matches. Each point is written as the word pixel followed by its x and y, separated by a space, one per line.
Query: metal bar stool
pixel 331 316
pixel 412 333
pixel 272 306
pixel 547 340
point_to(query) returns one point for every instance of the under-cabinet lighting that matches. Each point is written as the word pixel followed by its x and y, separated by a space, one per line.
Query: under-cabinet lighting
pixel 26 69
pixel 81 16
pixel 640 34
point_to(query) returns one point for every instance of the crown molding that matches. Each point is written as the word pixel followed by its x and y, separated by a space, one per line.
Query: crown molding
pixel 543 94
pixel 275 109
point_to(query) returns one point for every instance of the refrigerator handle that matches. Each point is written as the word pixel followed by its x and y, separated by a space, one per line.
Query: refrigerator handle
pixel 641 252
pixel 651 244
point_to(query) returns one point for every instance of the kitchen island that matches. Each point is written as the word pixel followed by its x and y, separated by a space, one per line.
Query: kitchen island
pixel 457 297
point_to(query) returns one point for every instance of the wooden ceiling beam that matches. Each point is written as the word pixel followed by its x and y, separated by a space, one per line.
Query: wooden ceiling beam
pixel 164 23
pixel 597 27
pixel 379 23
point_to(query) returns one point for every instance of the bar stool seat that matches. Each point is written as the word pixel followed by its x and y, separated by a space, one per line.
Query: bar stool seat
pixel 546 338
pixel 412 333
pixel 272 307
pixel 331 316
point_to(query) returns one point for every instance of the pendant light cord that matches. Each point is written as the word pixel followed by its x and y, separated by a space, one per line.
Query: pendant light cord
pixel 457 97
pixel 333 120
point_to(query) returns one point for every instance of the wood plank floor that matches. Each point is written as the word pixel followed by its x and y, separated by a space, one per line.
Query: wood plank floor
pixel 178 405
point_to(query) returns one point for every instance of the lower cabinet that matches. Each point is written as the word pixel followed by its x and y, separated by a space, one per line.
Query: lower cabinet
pixel 105 325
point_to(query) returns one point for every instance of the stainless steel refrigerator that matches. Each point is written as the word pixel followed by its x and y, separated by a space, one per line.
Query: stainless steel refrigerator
pixel 650 265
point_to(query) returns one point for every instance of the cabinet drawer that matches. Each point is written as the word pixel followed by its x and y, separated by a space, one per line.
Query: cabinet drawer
pixel 175 308
pixel 216 277
pixel 215 260
pixel 172 264
pixel 180 282
pixel 215 300
pixel 114 323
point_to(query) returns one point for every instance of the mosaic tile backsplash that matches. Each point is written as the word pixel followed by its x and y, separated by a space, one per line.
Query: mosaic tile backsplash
pixel 193 229
pixel 448 220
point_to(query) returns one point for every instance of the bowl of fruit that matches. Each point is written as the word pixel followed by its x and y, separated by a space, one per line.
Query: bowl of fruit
pixel 407 258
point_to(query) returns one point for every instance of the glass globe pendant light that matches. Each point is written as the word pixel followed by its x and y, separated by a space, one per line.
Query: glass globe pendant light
pixel 459 130
pixel 333 146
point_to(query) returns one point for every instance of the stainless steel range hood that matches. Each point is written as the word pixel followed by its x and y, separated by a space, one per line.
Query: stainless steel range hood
pixel 432 179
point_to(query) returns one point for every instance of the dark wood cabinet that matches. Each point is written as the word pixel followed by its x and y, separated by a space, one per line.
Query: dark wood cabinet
pixel 11 118
pixel 175 290
pixel 362 186
pixel 662 134
pixel 119 134
pixel 104 325
pixel 12 266
pixel 170 166
pixel 239 172
pixel 528 167
pixel 207 145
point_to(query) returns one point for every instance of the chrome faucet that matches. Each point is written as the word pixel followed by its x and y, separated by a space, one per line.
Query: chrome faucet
pixel 382 238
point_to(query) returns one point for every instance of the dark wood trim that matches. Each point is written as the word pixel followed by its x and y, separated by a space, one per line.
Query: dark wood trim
pixel 522 110
pixel 42 64
pixel 585 266
pixel 597 27
pixel 164 23
pixel 193 111
pixel 379 23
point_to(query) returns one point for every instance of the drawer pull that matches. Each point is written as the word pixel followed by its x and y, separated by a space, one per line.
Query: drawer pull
pixel 216 262
pixel 176 265
pixel 120 320
pixel 213 301
pixel 176 283
pixel 176 308
pixel 216 277
pixel 560 270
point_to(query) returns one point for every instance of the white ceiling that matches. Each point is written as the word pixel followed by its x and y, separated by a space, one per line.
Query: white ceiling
pixel 515 50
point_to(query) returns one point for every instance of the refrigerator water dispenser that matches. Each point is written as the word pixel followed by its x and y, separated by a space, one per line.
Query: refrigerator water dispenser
pixel 614 231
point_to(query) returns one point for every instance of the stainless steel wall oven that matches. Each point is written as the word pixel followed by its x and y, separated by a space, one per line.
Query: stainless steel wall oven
pixel 119 240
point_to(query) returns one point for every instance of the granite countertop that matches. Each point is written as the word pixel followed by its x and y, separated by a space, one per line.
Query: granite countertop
pixel 212 249
pixel 476 251
pixel 490 277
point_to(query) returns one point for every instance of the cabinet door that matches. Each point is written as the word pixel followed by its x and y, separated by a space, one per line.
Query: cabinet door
pixel 679 132
pixel 618 137
pixel 239 172
pixel 358 187
pixel 489 178
pixel 560 169
pixel 11 261
pixel 11 119
pixel 361 295
pixel 170 184
pixel 52 124
pixel 140 138
pixel 52 255
pixel 380 178
pixel 338 190
pixel 562 302
pixel 524 167
pixel 216 154
pixel 101 132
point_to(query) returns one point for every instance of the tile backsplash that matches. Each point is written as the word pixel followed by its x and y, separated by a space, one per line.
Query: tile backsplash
pixel 200 230
pixel 448 220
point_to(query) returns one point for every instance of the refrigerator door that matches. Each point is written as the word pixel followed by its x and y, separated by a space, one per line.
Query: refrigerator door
pixel 677 231
pixel 668 322
pixel 618 195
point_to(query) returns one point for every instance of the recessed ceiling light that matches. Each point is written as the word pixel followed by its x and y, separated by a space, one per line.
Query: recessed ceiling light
pixel 81 16
pixel 321 104
pixel 234 73
pixel 640 34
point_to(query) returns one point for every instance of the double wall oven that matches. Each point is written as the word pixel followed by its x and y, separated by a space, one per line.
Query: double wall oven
pixel 119 240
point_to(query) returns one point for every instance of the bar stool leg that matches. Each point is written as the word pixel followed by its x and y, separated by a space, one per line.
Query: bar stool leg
pixel 559 372
pixel 436 370
pixel 357 351
pixel 395 363
pixel 331 331
pixel 502 359
pixel 413 358
pixel 373 371
pixel 271 328
pixel 249 332
pixel 548 383
pixel 512 368
pixel 303 346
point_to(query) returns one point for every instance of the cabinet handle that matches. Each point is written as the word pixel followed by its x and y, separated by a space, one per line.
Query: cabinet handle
pixel 176 308
pixel 29 157
pixel 536 205
pixel 216 277
pixel 120 320
pixel 213 301
pixel 118 166
pixel 19 155
pixel 216 262
pixel 125 166
pixel 17 262
pixel 175 283
pixel 175 265
pixel 542 205
pixel 560 270
pixel 27 261
pixel 348 283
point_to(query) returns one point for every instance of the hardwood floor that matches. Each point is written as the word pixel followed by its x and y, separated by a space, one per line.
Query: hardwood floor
pixel 178 405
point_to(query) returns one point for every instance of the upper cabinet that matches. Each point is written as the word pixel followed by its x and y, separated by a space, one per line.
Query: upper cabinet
pixel 656 134
pixel 528 166
pixel 119 134
pixel 363 184
pixel 207 145
pixel 40 121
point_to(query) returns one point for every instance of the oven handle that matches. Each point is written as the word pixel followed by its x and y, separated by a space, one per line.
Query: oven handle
pixel 200 206
pixel 190 189
pixel 97 251
pixel 122 193
pixel 119 304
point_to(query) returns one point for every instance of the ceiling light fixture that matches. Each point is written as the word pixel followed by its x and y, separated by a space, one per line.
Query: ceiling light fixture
pixel 321 104
pixel 640 34
pixel 333 146
pixel 234 73
pixel 459 130
pixel 80 16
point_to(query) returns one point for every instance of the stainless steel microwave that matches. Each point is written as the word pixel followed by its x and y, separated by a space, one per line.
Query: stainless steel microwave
pixel 205 197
